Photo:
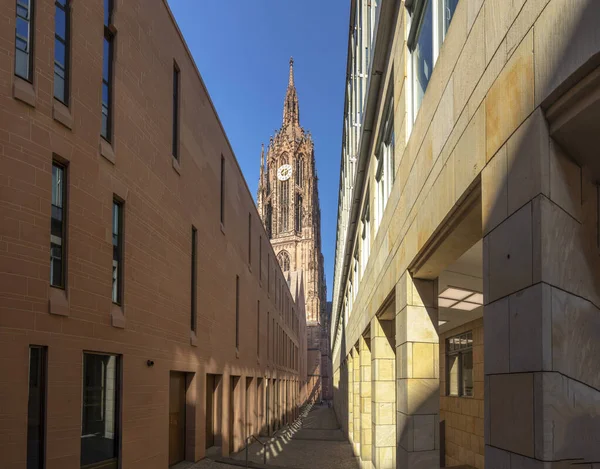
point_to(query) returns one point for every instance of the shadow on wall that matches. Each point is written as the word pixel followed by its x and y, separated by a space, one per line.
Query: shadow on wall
pixel 541 240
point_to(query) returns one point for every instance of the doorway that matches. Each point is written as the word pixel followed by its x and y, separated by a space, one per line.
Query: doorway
pixel 213 410
pixel 177 410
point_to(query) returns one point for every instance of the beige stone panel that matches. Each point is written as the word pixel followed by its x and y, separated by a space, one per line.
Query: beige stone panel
pixel 452 45
pixel 528 162
pixel 470 66
pixel 384 412
pixel 510 99
pixel 385 435
pixel 494 191
pixel 469 154
pixel 510 255
pixel 418 459
pixel 423 360
pixel 575 337
pixel 565 182
pixel 499 15
pixel 404 430
pixel 566 37
pixel 381 349
pixel 567 416
pixel 417 396
pixel 490 74
pixel 416 324
pixel 383 370
pixel 384 457
pixel 511 412
pixel 443 120
pixel 424 432
pixel 530 319
pixel 473 12
pixel 385 391
pixel 523 23
pixel 405 360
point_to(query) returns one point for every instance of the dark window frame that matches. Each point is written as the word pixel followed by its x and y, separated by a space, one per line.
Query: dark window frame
pixel 237 313
pixel 108 81
pixel 249 240
pixel 194 289
pixel 41 382
pixel 30 43
pixel 119 251
pixel 222 191
pixel 258 328
pixel 459 351
pixel 176 110
pixel 66 41
pixel 63 213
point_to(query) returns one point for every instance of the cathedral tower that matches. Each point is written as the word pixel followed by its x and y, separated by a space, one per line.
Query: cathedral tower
pixel 288 203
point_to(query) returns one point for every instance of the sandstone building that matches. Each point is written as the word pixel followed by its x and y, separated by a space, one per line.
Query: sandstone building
pixel 466 322
pixel 288 202
pixel 143 315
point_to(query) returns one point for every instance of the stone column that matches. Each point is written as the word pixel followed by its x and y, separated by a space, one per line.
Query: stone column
pixel 365 402
pixel 383 393
pixel 356 399
pixel 417 374
pixel 350 395
pixel 542 296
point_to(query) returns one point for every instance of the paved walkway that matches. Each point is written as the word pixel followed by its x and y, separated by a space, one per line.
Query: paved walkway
pixel 313 442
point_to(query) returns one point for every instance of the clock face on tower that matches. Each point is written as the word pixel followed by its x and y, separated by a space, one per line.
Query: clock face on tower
pixel 284 172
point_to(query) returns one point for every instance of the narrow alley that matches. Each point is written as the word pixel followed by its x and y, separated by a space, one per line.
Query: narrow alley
pixel 314 441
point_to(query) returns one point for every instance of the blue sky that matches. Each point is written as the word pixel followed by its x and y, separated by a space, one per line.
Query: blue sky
pixel 242 49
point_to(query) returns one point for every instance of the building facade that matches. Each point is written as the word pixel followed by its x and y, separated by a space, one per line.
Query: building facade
pixel 143 316
pixel 288 202
pixel 465 320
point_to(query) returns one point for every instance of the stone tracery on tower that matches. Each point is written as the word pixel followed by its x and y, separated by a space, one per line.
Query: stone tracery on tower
pixel 288 203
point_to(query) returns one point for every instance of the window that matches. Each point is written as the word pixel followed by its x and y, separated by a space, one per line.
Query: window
pixel 298 214
pixel 284 198
pixel 447 8
pixel 269 274
pixel 258 328
pixel 58 226
pixel 355 273
pixel 193 276
pixel 268 335
pixel 284 260
pixel 107 72
pixel 260 259
pixel 222 190
pixel 62 12
pixel 175 136
pixel 365 236
pixel 299 170
pixel 237 312
pixel 24 40
pixel 100 430
pixel 250 240
pixel 36 408
pixel 117 238
pixel 459 365
pixel 269 220
pixel 384 175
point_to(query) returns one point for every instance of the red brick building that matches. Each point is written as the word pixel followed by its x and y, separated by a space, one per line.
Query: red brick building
pixel 143 314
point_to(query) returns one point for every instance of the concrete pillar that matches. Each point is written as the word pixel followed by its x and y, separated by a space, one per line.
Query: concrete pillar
pixel 383 393
pixel 356 399
pixel 365 402
pixel 542 301
pixel 417 372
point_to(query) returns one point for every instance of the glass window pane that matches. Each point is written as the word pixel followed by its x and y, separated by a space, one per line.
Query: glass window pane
pixel 106 61
pixel 449 8
pixel 423 56
pixel 22 29
pixel 57 185
pixel 59 53
pixel 59 87
pixel 106 12
pixel 100 405
pixel 36 407
pixel 452 375
pixel 467 374
pixel 60 22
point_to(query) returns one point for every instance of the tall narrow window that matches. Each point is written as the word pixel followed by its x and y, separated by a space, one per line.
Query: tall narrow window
pixel 269 220
pixel 62 18
pixel 384 175
pixel 269 273
pixel 100 429
pixel 459 365
pixel 447 8
pixel 299 170
pixel 260 258
pixel 193 276
pixel 58 226
pixel 24 40
pixel 258 328
pixel 250 240
pixel 175 111
pixel 298 214
pixel 284 195
pixel 117 238
pixel 222 190
pixel 365 236
pixel 237 312
pixel 107 72
pixel 36 408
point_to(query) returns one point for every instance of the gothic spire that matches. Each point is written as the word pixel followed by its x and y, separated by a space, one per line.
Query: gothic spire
pixel 291 111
